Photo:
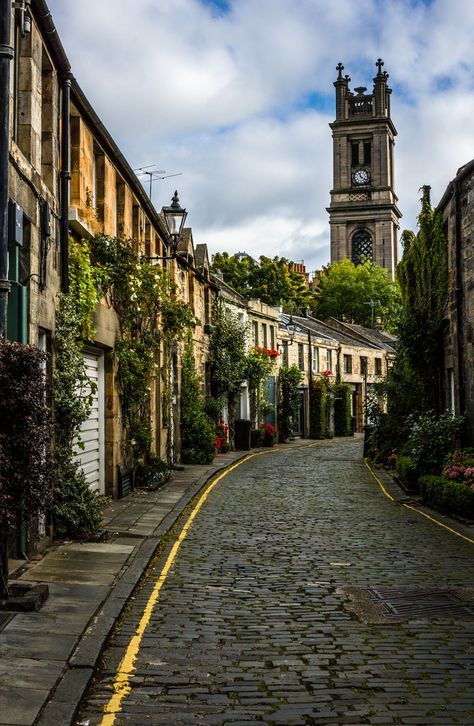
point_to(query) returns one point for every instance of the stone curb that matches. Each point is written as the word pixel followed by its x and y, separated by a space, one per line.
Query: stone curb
pixel 403 497
pixel 61 708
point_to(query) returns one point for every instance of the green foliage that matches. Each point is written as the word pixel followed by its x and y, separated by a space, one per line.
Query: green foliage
pixel 256 438
pixel 151 472
pixel 227 355
pixel 85 280
pixel 413 384
pixel 342 409
pixel 450 496
pixel 142 295
pixel 407 471
pixel 289 397
pixel 197 430
pixel 430 438
pixel 271 280
pixel 76 509
pixel 317 409
pixel 422 274
pixel 260 364
pixel 344 289
pixel 25 440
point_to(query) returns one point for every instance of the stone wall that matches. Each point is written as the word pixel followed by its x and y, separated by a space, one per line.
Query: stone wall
pixel 457 207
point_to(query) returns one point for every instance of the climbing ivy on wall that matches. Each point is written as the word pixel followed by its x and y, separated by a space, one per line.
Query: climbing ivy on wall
pixel 414 382
pixel 423 277
pixel 317 409
pixel 76 509
pixel 288 400
pixel 198 444
pixel 151 321
pixel 342 409
pixel 227 358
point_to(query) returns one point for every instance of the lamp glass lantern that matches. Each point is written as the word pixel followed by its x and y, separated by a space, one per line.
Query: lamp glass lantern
pixel 175 217
pixel 291 328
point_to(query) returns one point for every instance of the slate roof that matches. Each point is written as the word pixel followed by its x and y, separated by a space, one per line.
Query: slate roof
pixel 378 337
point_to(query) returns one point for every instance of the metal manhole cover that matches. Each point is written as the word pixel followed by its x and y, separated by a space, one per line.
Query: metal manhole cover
pixel 398 604
pixel 414 602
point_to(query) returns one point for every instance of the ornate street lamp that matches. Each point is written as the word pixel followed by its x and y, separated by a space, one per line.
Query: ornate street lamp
pixel 175 217
pixel 291 328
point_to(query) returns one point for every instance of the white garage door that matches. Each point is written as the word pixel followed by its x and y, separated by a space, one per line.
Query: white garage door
pixel 90 452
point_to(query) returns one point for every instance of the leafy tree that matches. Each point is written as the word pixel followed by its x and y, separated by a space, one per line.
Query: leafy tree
pixel 25 437
pixel 197 431
pixel 357 293
pixel 227 358
pixel 413 384
pixel 423 277
pixel 237 271
pixel 271 280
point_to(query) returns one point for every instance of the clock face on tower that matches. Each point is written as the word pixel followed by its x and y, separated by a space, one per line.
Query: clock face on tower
pixel 361 176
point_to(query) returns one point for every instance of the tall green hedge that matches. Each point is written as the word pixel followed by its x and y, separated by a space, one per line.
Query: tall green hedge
pixel 317 410
pixel 197 430
pixel 342 410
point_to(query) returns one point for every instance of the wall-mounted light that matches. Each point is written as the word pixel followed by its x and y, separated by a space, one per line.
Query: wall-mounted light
pixel 175 217
pixel 291 328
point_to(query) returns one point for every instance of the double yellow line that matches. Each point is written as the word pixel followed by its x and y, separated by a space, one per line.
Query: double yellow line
pixel 414 509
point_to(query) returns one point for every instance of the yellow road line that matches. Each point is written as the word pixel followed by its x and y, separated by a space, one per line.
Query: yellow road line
pixel 379 482
pixel 415 509
pixel 436 521
pixel 126 667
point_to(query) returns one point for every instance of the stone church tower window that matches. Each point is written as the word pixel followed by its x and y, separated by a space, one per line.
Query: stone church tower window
pixel 361 246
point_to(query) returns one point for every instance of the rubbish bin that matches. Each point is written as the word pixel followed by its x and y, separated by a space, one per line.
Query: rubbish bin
pixel 242 434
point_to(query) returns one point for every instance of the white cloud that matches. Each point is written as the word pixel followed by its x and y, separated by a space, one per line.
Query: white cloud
pixel 218 97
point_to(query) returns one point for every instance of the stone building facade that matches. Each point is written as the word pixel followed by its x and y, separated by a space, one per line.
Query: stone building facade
pixel 457 208
pixel 68 179
pixel 361 357
pixel 363 213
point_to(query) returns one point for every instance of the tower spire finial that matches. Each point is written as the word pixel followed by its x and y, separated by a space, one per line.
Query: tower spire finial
pixel 339 68
pixel 379 65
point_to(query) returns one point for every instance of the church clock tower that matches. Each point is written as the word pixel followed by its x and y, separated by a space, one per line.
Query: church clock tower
pixel 363 214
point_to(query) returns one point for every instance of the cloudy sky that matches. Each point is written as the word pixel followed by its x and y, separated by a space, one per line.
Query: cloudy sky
pixel 237 95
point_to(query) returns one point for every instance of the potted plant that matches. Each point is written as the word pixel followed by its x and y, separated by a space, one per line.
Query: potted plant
pixel 270 434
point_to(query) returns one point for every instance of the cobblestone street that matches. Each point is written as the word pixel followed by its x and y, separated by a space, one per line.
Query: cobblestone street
pixel 251 625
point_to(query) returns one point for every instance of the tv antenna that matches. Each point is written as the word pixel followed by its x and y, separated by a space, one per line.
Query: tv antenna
pixel 153 175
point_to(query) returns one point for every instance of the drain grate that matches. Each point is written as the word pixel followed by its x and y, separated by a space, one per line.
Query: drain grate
pixel 416 602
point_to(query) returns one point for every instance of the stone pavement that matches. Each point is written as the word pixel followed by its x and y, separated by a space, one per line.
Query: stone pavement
pixel 254 621
pixel 55 650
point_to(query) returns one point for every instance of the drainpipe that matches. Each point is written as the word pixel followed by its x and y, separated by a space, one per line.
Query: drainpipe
pixel 459 296
pixel 65 177
pixel 6 55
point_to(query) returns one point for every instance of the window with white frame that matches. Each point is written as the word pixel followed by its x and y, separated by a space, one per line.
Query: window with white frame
pixel 329 359
pixel 315 359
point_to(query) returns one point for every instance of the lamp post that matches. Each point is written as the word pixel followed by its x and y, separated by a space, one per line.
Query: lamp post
pixel 175 217
pixel 291 328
